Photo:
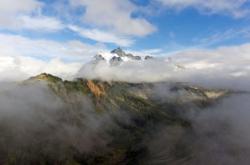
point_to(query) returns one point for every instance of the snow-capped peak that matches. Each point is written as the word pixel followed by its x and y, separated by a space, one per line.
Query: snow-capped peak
pixel 119 55
pixel 107 55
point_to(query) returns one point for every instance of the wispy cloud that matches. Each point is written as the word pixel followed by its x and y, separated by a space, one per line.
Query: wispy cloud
pixel 16 45
pixel 102 36
pixel 231 7
pixel 41 23
pixel 27 15
pixel 9 10
pixel 109 23
pixel 223 36
pixel 115 15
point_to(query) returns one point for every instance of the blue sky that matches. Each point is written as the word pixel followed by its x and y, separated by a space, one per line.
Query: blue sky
pixel 158 26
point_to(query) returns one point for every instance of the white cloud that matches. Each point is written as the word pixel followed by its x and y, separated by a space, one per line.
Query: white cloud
pixel 109 23
pixel 102 36
pixel 21 57
pixel 41 23
pixel 16 45
pixel 232 7
pixel 10 9
pixel 115 15
pixel 13 7
pixel 147 52
pixel 223 36
pixel 221 67
pixel 26 14
pixel 222 58
pixel 225 67
pixel 20 68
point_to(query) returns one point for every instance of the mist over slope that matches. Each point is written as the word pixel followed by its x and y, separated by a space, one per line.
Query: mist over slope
pixel 49 120
pixel 175 91
pixel 189 109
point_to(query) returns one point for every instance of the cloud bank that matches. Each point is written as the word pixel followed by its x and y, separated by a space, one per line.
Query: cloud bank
pixel 229 66
pixel 22 57
pixel 21 60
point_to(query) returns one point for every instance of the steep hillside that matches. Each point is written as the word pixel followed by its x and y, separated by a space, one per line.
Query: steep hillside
pixel 96 122
pixel 134 96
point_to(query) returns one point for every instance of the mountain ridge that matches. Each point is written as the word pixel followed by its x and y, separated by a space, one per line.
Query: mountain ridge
pixel 98 87
pixel 100 122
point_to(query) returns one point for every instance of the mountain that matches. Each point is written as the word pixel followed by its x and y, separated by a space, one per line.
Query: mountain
pixel 117 56
pixel 107 122
pixel 146 92
pixel 98 122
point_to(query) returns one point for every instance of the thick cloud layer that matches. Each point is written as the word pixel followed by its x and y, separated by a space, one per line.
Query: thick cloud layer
pixel 21 68
pixel 226 67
